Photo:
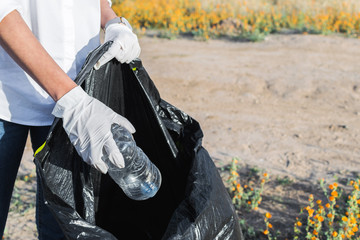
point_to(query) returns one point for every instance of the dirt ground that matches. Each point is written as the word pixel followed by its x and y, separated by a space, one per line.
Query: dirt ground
pixel 289 105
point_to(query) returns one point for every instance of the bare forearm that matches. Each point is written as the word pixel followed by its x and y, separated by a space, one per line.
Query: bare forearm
pixel 20 43
pixel 106 12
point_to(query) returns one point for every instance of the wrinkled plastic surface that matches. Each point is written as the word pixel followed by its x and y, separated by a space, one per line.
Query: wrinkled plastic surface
pixel 192 202
pixel 140 179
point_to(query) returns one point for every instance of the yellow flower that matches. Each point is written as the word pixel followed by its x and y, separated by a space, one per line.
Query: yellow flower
pixel 270 226
pixel 265 174
pixel 268 215
pixel 334 193
pixel 334 234
pixel 330 215
pixel 318 201
pixel 331 187
pixel 345 219
pixel 315 232
pixel 355 229
pixel 299 223
pixel 327 205
pixel 321 218
pixel 331 198
pixel 311 212
pixel 266 232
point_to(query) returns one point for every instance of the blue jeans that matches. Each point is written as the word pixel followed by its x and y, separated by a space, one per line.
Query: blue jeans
pixel 12 143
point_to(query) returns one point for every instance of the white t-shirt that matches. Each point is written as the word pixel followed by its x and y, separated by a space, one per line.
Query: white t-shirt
pixel 68 30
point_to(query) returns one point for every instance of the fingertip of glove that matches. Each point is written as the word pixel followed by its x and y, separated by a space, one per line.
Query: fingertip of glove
pixel 131 128
pixel 122 121
pixel 117 159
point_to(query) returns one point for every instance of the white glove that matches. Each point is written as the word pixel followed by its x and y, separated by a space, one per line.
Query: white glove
pixel 125 47
pixel 87 121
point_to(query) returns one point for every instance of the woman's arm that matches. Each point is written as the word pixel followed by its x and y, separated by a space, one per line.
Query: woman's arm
pixel 106 12
pixel 21 44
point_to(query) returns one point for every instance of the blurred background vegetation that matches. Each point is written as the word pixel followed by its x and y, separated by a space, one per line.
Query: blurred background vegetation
pixel 241 19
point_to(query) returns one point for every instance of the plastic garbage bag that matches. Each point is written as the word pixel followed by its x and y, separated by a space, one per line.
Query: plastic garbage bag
pixel 192 202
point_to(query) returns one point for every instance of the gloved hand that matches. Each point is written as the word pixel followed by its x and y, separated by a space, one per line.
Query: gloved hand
pixel 125 47
pixel 87 121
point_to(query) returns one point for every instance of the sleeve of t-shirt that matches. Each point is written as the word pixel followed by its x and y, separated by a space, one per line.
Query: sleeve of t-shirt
pixel 110 2
pixel 7 6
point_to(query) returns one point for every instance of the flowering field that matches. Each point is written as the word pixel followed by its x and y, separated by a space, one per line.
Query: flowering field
pixel 242 19
pixel 333 214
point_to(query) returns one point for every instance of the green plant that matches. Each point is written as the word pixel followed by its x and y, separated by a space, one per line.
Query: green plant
pixel 285 181
pixel 338 218
pixel 247 196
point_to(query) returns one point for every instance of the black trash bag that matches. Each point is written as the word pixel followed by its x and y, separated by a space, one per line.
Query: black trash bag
pixel 192 202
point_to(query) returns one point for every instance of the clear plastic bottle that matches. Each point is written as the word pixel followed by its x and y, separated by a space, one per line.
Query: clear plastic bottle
pixel 140 179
